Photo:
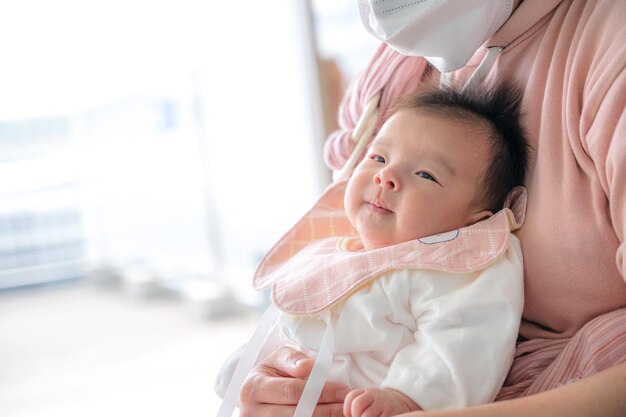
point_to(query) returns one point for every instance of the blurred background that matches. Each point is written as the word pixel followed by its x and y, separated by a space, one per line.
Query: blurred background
pixel 150 153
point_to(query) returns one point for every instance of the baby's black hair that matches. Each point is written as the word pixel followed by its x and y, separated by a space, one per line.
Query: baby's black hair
pixel 500 107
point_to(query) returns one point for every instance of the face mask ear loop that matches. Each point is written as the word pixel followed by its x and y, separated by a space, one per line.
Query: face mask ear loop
pixel 319 373
pixel 484 68
pixel 445 79
pixel 360 135
pixel 246 362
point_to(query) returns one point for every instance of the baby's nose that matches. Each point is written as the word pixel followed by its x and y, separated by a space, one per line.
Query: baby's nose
pixel 386 180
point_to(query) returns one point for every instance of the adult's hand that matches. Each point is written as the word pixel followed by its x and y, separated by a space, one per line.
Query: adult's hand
pixel 603 394
pixel 274 386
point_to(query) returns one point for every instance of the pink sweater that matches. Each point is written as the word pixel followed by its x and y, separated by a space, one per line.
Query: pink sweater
pixel 570 56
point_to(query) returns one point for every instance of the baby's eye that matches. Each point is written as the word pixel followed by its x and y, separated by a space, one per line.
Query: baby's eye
pixel 378 158
pixel 425 175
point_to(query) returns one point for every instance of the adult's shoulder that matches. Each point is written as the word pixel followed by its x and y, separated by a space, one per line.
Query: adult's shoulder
pixel 600 21
pixel 591 41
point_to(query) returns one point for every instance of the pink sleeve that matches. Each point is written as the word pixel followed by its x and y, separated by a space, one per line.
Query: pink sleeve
pixel 603 126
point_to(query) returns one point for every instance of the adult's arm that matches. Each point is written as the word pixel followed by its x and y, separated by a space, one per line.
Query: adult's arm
pixel 275 384
pixel 603 394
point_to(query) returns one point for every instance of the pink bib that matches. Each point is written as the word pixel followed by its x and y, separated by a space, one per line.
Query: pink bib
pixel 320 260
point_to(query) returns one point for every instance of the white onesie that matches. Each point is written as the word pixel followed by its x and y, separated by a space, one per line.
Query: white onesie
pixel 444 339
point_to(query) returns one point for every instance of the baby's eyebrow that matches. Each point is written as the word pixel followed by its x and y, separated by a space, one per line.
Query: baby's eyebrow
pixel 441 160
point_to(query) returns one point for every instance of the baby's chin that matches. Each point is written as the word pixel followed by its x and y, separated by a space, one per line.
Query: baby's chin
pixel 370 244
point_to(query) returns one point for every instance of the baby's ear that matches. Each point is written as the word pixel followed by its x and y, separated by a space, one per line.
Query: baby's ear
pixel 516 201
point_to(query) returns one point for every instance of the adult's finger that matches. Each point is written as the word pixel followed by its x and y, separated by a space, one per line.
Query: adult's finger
pixel 286 362
pixel 272 410
pixel 280 379
pixel 289 363
pixel 261 388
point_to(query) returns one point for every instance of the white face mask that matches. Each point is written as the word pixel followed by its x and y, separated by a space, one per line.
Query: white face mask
pixel 446 32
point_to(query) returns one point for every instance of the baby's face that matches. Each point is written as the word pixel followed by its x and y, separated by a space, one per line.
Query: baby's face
pixel 419 178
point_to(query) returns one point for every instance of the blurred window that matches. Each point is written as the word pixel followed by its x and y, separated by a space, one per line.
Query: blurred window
pixel 181 136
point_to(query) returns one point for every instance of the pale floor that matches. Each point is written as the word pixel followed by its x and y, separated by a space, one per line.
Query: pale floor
pixel 76 350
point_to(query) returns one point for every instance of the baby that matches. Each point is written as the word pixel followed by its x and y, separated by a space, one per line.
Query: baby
pixel 427 317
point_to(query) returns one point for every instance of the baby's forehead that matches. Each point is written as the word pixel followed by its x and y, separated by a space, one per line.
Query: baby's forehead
pixel 478 135
pixel 421 146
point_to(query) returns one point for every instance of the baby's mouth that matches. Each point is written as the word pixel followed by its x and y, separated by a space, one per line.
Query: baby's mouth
pixel 379 207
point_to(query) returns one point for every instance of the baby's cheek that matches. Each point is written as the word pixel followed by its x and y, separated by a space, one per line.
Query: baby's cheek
pixel 350 205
